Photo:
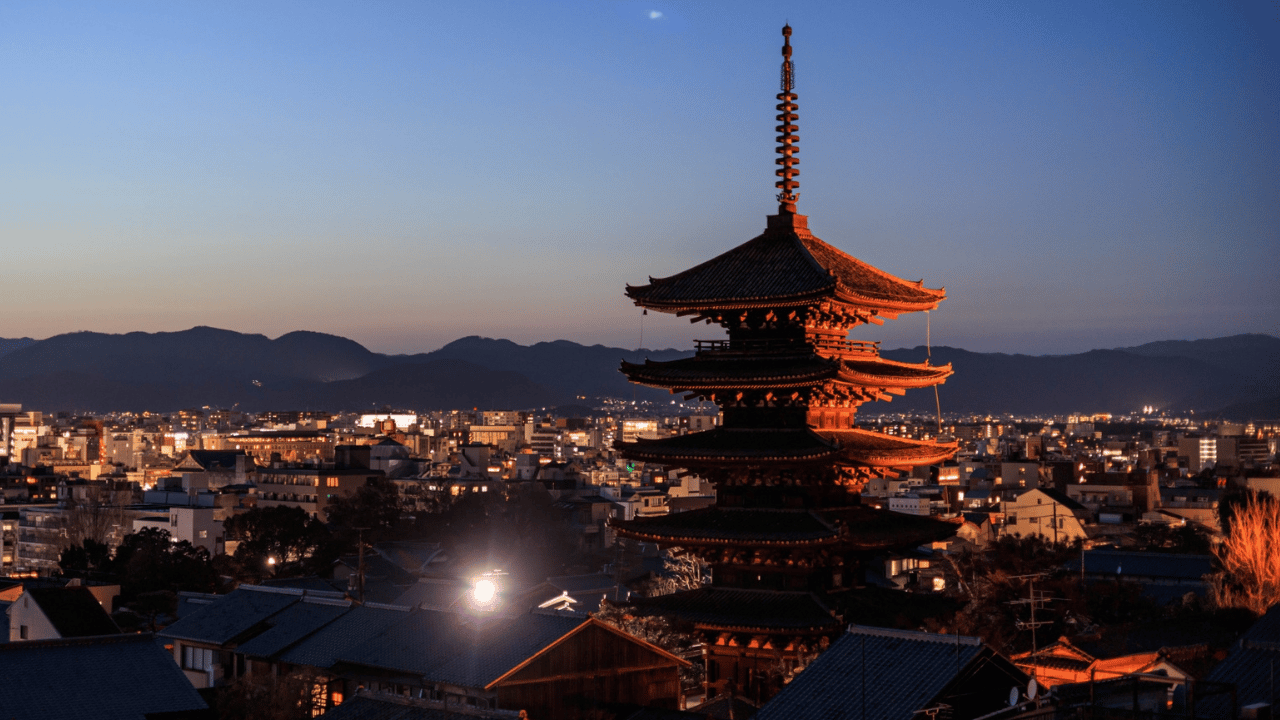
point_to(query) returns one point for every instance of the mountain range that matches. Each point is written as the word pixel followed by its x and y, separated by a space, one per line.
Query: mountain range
pixel 1235 377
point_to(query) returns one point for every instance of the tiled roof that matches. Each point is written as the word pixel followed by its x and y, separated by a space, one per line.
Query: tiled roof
pixel 734 525
pixel 882 674
pixel 729 371
pixel 292 624
pixel 323 647
pixel 434 594
pixel 452 648
pixel 783 266
pixel 1249 666
pixel 754 445
pixel 237 612
pixel 117 677
pixel 1145 564
pixel 74 611
pixel 729 609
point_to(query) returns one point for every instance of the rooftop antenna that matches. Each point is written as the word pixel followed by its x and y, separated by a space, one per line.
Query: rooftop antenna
pixel 787 138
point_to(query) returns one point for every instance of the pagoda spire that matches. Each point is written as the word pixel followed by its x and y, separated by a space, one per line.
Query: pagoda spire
pixel 787 138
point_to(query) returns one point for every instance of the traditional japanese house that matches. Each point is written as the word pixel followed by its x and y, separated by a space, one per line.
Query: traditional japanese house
pixel 787 532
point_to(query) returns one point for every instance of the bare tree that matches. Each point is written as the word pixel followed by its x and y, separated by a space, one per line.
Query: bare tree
pixel 1250 558
pixel 96 511
pixel 680 571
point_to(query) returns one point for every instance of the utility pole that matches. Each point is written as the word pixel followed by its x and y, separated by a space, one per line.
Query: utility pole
pixel 360 564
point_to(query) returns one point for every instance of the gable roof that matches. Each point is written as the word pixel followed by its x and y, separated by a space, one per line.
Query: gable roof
pixel 874 673
pixel 292 624
pixel 220 622
pixel 322 648
pixel 73 611
pixel 117 677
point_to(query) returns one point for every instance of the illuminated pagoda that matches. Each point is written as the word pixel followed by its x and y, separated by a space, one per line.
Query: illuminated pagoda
pixel 788 533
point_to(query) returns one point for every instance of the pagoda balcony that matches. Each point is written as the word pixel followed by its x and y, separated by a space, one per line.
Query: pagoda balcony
pixel 822 346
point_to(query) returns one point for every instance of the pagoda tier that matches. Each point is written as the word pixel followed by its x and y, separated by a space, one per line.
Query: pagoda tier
pixel 725 447
pixel 786 268
pixel 710 373
pixel 813 550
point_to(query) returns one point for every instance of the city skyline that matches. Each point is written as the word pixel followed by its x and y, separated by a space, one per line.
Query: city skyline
pixel 1078 178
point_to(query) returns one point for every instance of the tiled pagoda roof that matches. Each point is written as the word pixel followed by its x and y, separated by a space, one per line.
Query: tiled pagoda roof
pixel 752 446
pixel 785 266
pixel 709 371
pixel 859 526
pixel 743 610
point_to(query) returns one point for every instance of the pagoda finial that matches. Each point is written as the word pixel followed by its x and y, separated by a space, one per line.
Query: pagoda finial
pixel 787 138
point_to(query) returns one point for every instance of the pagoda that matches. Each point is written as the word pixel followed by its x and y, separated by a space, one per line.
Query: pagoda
pixel 787 535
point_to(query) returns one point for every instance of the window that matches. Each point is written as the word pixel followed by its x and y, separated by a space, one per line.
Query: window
pixel 194 658
pixel 22 632
pixel 204 534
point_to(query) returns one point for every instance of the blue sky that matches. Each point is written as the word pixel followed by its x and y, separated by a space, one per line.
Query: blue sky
pixel 1077 175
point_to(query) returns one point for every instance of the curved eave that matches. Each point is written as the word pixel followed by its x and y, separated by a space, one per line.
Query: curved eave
pixel 939 375
pixel 701 456
pixel 663 375
pixel 864 447
pixel 637 294
pixel 850 296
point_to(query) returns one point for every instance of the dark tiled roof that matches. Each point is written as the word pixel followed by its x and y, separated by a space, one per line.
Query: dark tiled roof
pixel 453 648
pixel 735 525
pixel 235 613
pixel 293 624
pixel 783 265
pixel 118 677
pixel 726 371
pixel 752 445
pixel 1145 564
pixel 74 611
pixel 1249 666
pixel 859 526
pixel 742 609
pixel 903 672
pixel 323 647
pixel 385 707
pixel 216 459
pixel 434 594
pixel 1062 498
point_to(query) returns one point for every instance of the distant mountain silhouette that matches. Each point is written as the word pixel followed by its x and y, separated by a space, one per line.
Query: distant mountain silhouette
pixel 8 346
pixel 1238 377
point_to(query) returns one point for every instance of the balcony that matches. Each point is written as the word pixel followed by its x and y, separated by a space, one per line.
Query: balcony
pixel 821 346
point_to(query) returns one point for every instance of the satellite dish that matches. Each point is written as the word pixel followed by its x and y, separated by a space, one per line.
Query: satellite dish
pixel 1013 696
pixel 1032 688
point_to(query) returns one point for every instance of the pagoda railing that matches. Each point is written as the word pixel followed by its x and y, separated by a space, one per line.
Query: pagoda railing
pixel 843 347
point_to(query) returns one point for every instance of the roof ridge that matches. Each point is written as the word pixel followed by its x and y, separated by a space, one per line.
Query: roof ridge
pixel 916 635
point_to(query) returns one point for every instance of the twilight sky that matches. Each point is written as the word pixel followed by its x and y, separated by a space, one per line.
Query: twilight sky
pixel 1076 174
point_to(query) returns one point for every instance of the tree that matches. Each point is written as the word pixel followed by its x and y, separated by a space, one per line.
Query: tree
pixel 1249 557
pixel 680 571
pixel 148 561
pixel 289 536
pixel 89 560
pixel 374 507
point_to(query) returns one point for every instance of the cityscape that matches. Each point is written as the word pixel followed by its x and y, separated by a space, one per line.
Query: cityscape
pixel 779 506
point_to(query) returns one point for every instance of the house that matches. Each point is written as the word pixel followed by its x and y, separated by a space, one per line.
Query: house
pixel 551 664
pixel 1064 663
pixel 50 613
pixel 897 675
pixel 381 706
pixel 114 677
pixel 1047 513
pixel 573 592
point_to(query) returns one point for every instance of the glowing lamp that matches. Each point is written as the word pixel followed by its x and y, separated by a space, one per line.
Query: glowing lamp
pixel 484 591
